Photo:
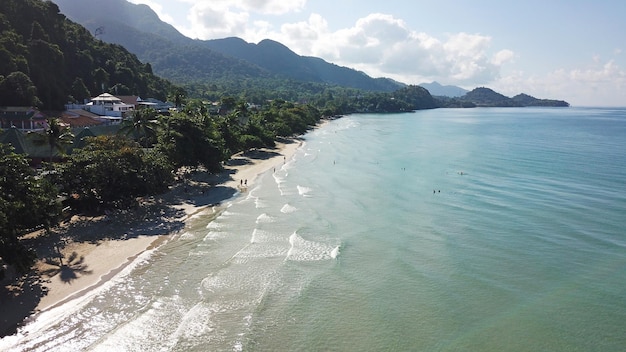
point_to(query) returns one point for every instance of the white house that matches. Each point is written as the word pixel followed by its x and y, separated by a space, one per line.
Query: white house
pixel 109 107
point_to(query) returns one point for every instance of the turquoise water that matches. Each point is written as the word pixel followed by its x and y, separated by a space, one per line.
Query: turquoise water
pixel 441 230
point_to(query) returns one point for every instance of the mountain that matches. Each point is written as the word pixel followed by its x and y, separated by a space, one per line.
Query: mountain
pixel 47 60
pixel 437 89
pixel 527 100
pixel 486 97
pixel 184 60
pixel 417 97
pixel 172 55
pixel 279 59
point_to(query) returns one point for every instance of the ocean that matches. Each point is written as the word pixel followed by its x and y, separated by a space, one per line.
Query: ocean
pixel 479 229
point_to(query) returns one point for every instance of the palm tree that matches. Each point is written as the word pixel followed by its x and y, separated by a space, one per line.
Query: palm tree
pixel 56 136
pixel 142 125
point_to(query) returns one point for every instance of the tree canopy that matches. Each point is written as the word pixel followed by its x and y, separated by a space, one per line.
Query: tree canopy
pixel 26 202
pixel 47 60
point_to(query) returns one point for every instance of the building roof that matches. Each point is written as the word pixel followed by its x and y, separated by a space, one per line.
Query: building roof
pixel 14 137
pixel 106 97
pixel 26 143
pixel 129 99
pixel 80 118
pixel 79 138
pixel 20 113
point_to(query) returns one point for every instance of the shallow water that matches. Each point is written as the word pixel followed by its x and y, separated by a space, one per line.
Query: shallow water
pixel 478 229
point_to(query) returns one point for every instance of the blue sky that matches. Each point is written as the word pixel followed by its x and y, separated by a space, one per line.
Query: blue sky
pixel 572 50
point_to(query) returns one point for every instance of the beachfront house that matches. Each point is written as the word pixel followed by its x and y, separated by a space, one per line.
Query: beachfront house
pixel 107 107
pixel 22 117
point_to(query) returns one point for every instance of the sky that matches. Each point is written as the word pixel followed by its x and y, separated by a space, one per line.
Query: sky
pixel 571 50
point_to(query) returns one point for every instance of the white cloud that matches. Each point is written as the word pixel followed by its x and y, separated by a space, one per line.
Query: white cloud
pixel 274 7
pixel 502 57
pixel 208 20
pixel 158 9
pixel 600 84
pixel 227 18
pixel 382 45
pixel 378 44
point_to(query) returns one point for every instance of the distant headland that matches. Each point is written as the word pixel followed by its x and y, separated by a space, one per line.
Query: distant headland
pixel 485 97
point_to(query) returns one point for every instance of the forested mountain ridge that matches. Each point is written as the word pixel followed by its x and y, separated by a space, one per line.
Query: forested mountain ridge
pixel 279 59
pixel 482 96
pixel 486 97
pixel 527 100
pixel 219 62
pixel 47 60
pixel 171 54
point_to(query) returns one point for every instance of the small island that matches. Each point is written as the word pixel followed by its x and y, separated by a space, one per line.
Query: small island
pixel 485 97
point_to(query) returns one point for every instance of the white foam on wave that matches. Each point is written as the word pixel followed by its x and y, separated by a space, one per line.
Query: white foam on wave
pixel 213 235
pixel 288 209
pixel 304 191
pixel 307 250
pixel 46 323
pixel 264 219
pixel 187 236
pixel 213 225
pixel 278 179
pixel 159 316
pixel 259 204
pixel 227 213
pixel 195 323
pixel 260 236
pixel 213 283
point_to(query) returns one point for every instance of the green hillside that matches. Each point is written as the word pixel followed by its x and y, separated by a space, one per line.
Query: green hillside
pixel 527 100
pixel 486 97
pixel 47 60
pixel 228 65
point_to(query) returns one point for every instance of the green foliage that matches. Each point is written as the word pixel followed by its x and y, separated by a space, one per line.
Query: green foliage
pixel 417 97
pixel 56 54
pixel 191 141
pixel 18 90
pixel 55 136
pixel 111 171
pixel 142 126
pixel 79 91
pixel 527 100
pixel 26 202
pixel 486 97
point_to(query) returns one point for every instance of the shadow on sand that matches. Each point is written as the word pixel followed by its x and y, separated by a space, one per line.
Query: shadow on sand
pixel 19 300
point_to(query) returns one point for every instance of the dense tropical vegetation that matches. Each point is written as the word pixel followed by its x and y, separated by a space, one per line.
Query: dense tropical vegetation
pixel 230 64
pixel 27 201
pixel 111 171
pixel 485 97
pixel 47 60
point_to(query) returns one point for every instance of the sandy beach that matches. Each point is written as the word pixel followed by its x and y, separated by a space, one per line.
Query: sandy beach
pixel 85 251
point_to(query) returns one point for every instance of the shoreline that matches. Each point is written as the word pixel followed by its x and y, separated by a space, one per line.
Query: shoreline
pixel 85 252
